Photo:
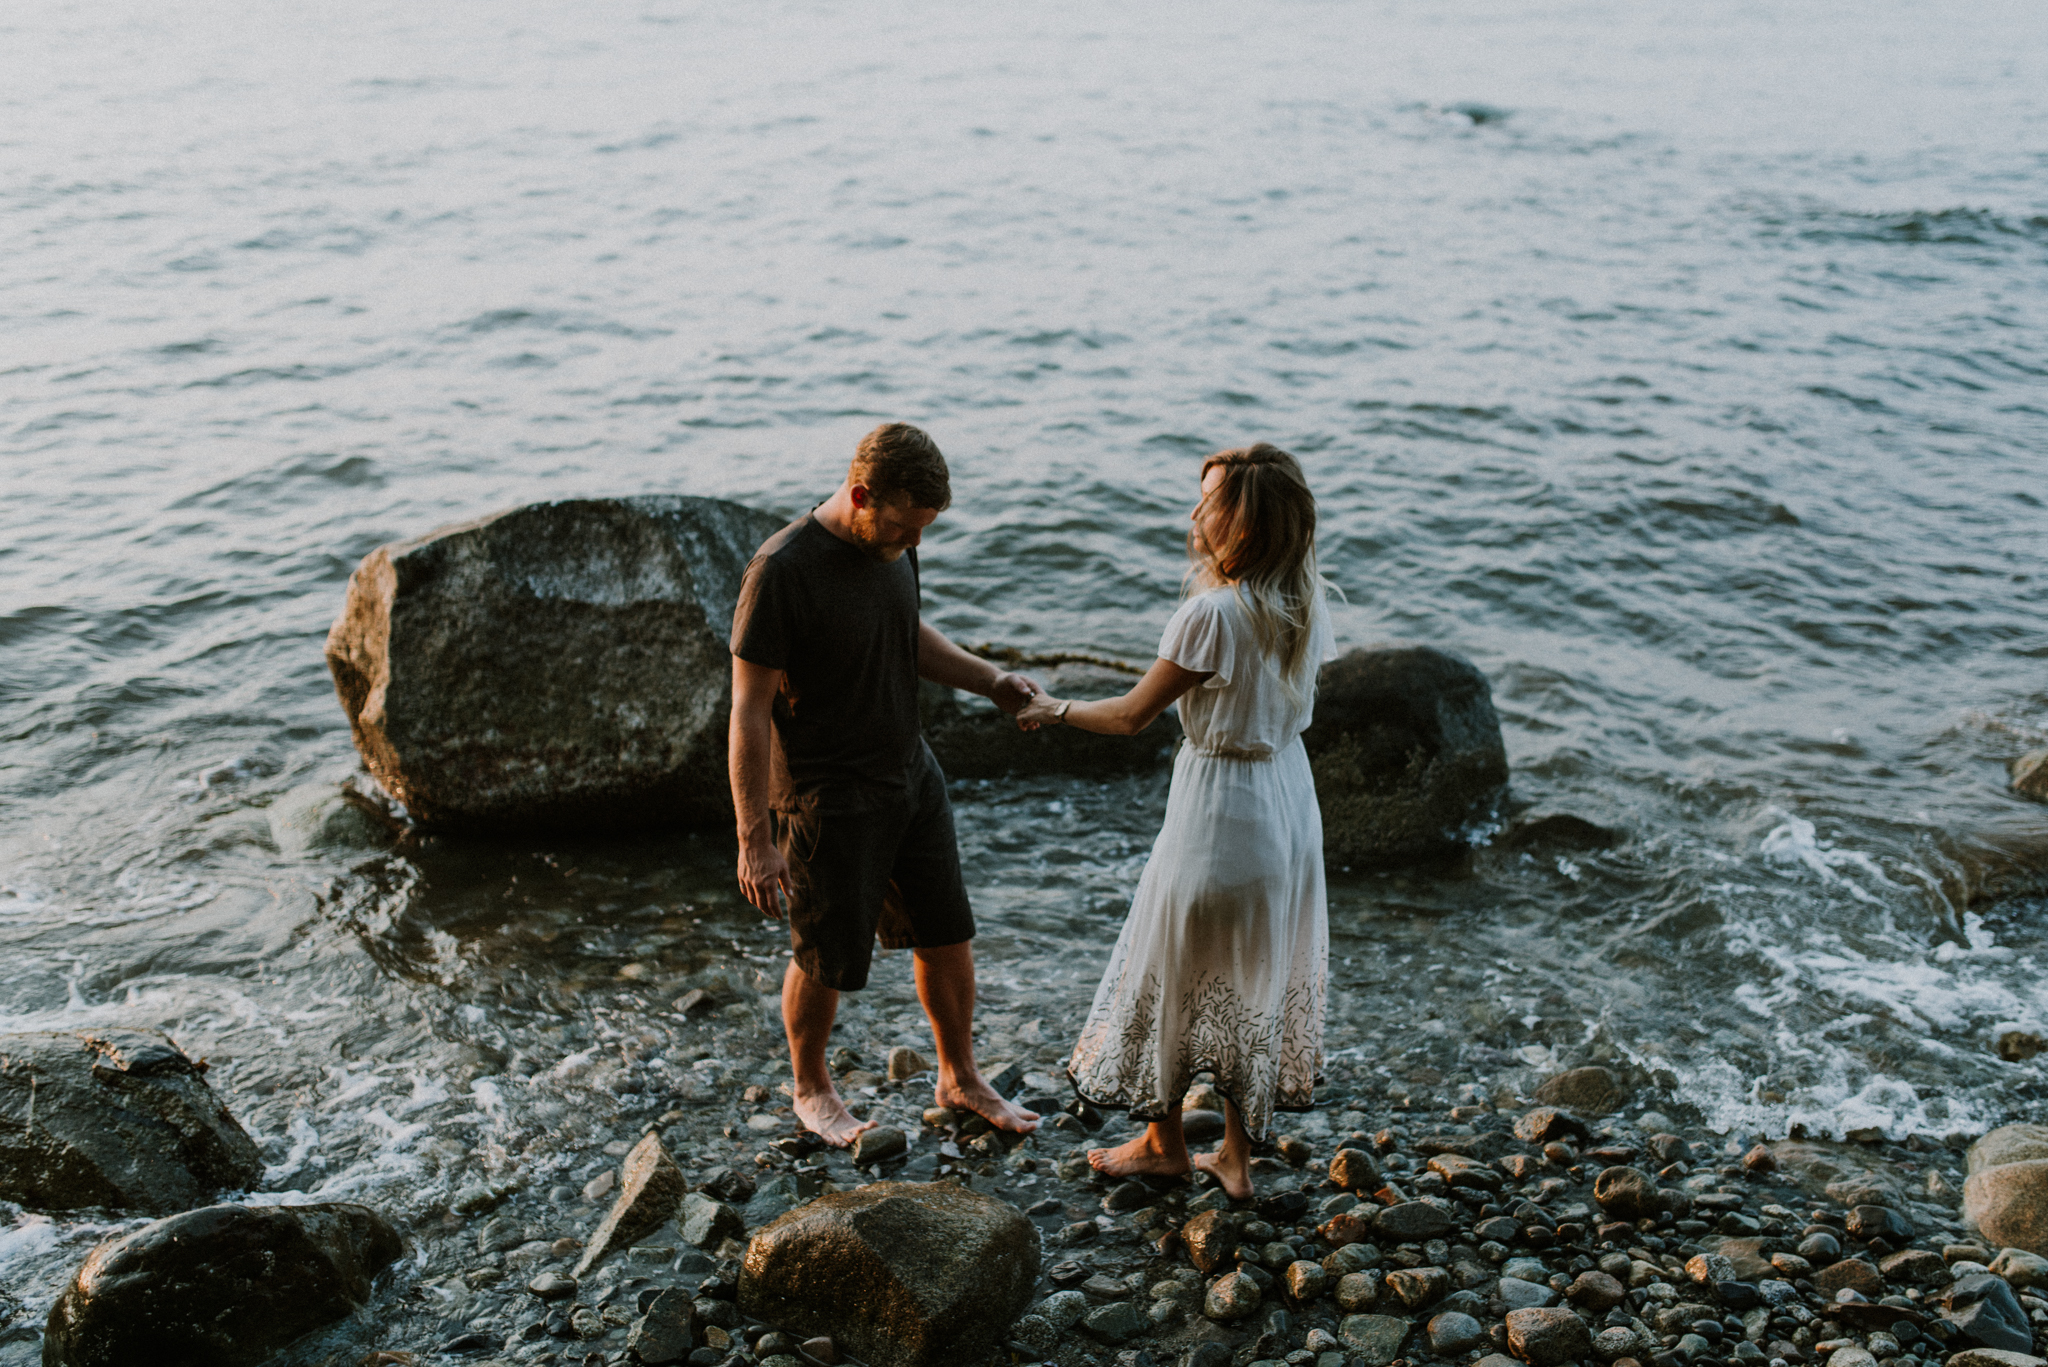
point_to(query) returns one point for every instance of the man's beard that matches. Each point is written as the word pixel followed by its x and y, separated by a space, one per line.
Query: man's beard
pixel 867 536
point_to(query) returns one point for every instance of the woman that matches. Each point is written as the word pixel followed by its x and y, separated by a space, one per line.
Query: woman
pixel 1221 965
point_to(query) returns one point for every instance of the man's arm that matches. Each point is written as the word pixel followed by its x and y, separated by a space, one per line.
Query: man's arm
pixel 939 660
pixel 750 749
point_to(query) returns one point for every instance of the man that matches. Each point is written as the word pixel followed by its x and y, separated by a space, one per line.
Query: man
pixel 841 807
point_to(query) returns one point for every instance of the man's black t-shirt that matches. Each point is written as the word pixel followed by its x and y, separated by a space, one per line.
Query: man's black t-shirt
pixel 842 626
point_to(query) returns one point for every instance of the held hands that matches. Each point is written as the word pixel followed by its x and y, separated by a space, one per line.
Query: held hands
pixel 1042 710
pixel 764 878
pixel 1012 693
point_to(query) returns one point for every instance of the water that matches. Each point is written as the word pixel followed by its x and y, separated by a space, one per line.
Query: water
pixel 1682 365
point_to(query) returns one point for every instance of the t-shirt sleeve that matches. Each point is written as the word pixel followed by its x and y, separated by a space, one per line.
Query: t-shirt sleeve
pixel 760 619
pixel 1198 639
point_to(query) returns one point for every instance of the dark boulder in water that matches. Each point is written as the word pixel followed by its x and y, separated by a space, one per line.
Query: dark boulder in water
pixel 560 665
pixel 114 1118
pixel 227 1286
pixel 1408 756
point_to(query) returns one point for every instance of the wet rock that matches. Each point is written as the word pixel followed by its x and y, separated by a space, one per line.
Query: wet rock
pixel 225 1286
pixel 2017 1046
pixel 666 1332
pixel 1745 1256
pixel 1710 1268
pixel 1822 1247
pixel 1987 1313
pixel 1548 1124
pixel 1452 1333
pixel 1596 1292
pixel 1850 1274
pixel 899 1274
pixel 1375 1338
pixel 1920 1267
pixel 1994 1357
pixel 1628 1194
pixel 706 1223
pixel 1459 1171
pixel 2008 1203
pixel 906 1063
pixel 884 1141
pixel 1346 1228
pixel 1118 1322
pixel 557 665
pixel 2027 1271
pixel 1514 1293
pixel 1413 1221
pixel 553 1286
pixel 1416 1287
pixel 1210 1239
pixel 116 1118
pixel 1231 1297
pixel 1560 831
pixel 1852 1356
pixel 323 816
pixel 1545 1338
pixel 1306 1280
pixel 1592 1091
pixel 2030 775
pixel 651 1188
pixel 1200 1125
pixel 1878 1222
pixel 1358 1290
pixel 1760 1160
pixel 1407 754
pixel 1355 1171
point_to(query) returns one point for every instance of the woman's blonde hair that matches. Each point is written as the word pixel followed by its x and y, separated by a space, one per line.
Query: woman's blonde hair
pixel 1269 549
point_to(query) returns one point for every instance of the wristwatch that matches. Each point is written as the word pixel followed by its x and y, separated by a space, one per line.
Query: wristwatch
pixel 1059 714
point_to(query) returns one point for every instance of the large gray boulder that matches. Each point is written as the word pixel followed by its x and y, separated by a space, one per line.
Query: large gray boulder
pixel 560 665
pixel 114 1118
pixel 900 1274
pixel 226 1286
pixel 1407 754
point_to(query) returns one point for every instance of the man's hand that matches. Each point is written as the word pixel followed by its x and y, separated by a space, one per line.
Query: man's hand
pixel 1011 692
pixel 764 878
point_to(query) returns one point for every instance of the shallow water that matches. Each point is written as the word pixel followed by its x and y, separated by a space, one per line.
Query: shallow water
pixel 1683 366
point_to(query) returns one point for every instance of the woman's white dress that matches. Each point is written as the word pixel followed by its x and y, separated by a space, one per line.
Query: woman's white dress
pixel 1222 963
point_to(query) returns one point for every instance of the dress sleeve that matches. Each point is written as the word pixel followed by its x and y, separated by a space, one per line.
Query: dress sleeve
pixel 1322 636
pixel 1198 639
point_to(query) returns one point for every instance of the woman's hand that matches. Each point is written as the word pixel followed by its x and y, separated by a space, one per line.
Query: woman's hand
pixel 1040 711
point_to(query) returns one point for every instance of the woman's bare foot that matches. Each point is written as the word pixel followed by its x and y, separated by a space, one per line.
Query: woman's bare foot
pixel 1145 1156
pixel 826 1116
pixel 1232 1170
pixel 977 1096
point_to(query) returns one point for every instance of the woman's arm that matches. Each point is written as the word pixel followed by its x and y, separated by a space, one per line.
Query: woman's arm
pixel 1125 716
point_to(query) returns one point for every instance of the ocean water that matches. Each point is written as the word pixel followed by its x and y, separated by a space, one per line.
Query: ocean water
pixel 1686 367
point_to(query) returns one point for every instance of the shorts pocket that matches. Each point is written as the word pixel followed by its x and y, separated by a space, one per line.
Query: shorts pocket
pixel 799 833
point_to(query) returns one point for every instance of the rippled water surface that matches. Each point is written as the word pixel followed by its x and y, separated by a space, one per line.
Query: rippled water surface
pixel 1685 366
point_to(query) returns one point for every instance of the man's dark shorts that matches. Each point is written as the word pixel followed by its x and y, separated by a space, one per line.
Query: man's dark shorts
pixel 887 870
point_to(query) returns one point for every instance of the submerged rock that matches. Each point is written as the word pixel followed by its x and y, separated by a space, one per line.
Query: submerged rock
pixel 561 664
pixel 1407 753
pixel 899 1274
pixel 116 1118
pixel 226 1286
pixel 2030 775
pixel 1589 1091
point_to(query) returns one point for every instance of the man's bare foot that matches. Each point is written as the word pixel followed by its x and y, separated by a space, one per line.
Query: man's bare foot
pixel 981 1099
pixel 1233 1171
pixel 826 1116
pixel 1141 1157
